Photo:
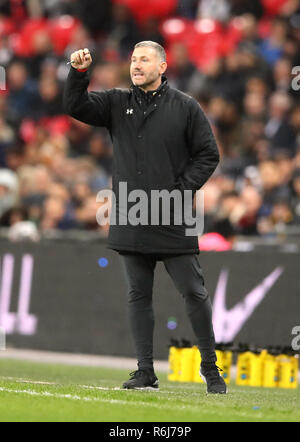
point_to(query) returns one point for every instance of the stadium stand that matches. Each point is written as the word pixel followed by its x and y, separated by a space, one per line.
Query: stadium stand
pixel 237 58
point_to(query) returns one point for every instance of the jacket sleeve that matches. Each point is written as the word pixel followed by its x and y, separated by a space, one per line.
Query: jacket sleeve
pixel 204 154
pixel 89 107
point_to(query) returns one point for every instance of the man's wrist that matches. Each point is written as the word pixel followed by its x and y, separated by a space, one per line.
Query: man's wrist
pixel 79 70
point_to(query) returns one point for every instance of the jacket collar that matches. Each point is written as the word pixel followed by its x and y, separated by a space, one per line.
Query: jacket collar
pixel 162 88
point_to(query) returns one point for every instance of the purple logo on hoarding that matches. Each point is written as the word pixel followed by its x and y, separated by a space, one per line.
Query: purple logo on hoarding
pixel 2 339
pixel 228 323
pixel 22 321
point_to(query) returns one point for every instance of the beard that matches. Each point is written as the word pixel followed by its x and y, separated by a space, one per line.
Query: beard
pixel 146 80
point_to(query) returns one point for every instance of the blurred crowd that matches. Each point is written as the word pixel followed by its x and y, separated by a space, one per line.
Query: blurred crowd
pixel 238 58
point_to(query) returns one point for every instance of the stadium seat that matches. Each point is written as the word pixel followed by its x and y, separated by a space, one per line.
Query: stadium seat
pixel 61 30
pixel 273 7
pixel 142 10
pixel 23 41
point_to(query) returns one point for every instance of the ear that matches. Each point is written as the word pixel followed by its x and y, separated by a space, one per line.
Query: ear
pixel 163 67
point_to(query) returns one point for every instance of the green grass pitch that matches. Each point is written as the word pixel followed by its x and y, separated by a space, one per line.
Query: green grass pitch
pixel 61 393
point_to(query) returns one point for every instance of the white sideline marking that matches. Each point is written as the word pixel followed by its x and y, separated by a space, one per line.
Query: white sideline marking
pixel 26 381
pixel 87 387
pixel 89 399
pixel 172 406
pixel 91 387
pixel 48 394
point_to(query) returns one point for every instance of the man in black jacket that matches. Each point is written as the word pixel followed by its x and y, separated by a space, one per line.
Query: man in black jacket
pixel 162 141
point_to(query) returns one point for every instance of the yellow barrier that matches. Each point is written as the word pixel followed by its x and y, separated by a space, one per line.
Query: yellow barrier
pixel 270 370
pixel 288 371
pixel 224 361
pixel 267 370
pixel 256 369
pixel 243 374
pixel 186 365
pixel 174 363
pixel 196 366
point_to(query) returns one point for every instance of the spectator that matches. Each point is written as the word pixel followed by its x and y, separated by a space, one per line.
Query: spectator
pixel 296 160
pixel 19 226
pixel 101 150
pixel 281 215
pixel 80 192
pixel 187 8
pixel 296 195
pixel 124 33
pixel 23 94
pixel 57 215
pixel 272 47
pixel 86 215
pixel 212 194
pixel 7 134
pixel 254 105
pixel 270 181
pixel 240 7
pixel 8 190
pixel 214 9
pixel 278 128
pixel 231 208
pixel 295 122
pixel 249 25
pixel 220 239
pixel 182 72
pixel 252 201
pixel 100 20
pixel 105 76
pixel 282 75
pixel 42 50
pixel 49 102
pixel 14 157
pixel 280 218
pixel 14 215
pixel 151 31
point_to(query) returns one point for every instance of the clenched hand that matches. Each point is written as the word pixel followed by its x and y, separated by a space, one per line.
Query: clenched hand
pixel 81 59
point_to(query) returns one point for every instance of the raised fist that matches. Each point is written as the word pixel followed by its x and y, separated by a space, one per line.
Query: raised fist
pixel 81 59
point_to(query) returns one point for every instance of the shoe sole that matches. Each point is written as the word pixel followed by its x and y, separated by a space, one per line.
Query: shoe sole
pixel 153 387
pixel 142 388
pixel 210 392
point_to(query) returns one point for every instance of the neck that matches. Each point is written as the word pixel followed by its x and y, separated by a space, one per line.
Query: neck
pixel 151 86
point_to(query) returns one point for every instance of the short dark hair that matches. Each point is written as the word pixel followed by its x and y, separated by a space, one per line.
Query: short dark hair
pixel 152 44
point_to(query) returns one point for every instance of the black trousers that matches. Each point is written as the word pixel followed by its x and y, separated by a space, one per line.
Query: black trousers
pixel 187 275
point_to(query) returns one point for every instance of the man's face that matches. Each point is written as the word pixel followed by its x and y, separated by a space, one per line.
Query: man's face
pixel 146 68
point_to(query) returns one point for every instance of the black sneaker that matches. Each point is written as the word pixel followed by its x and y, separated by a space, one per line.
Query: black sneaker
pixel 142 379
pixel 214 381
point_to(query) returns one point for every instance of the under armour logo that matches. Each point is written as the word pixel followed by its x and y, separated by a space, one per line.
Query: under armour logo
pixel 129 111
